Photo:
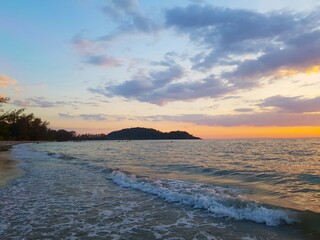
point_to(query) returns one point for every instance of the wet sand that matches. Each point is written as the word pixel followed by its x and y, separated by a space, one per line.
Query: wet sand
pixel 8 168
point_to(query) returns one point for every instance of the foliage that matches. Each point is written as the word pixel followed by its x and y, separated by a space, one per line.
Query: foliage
pixel 17 125
pixel 4 99
pixel 147 133
pixel 87 136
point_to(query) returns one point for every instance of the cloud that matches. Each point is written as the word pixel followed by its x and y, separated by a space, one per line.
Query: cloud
pixel 208 87
pixel 159 87
pixel 6 81
pixel 126 5
pixel 243 110
pixel 263 119
pixel 287 111
pixel 38 102
pixel 292 104
pixel 90 50
pixel 93 117
pixel 117 10
pixel 42 102
pixel 103 61
pixel 294 56
pixel 21 103
pixel 246 45
pixel 81 43
pixel 228 30
pixel 65 115
pixel 129 19
pixel 231 97
pixel 255 44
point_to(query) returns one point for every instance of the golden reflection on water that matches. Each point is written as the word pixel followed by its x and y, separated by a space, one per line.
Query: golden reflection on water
pixel 282 172
pixel 279 172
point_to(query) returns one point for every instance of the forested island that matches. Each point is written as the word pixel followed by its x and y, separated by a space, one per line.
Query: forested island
pixel 16 125
pixel 139 133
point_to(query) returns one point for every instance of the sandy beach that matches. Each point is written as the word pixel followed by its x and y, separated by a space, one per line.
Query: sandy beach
pixel 8 169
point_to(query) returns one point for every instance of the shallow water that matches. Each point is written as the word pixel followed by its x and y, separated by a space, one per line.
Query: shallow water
pixel 220 189
pixel 8 169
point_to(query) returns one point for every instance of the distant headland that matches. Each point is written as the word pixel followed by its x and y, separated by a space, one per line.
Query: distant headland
pixel 139 133
pixel 16 125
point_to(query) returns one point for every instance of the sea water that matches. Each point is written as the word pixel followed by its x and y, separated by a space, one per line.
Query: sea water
pixel 186 189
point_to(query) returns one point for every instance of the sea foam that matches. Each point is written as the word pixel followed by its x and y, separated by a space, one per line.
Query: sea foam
pixel 219 202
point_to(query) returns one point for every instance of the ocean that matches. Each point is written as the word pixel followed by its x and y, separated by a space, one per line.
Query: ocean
pixel 163 189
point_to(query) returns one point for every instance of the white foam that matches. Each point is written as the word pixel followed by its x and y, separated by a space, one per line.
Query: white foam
pixel 217 201
pixel 205 234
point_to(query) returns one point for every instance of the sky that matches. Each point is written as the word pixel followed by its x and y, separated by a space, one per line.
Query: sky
pixel 217 69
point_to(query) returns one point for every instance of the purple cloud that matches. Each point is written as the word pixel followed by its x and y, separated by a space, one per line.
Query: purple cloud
pixel 292 104
pixel 81 43
pixel 42 102
pixel 65 115
pixel 103 61
pixel 161 87
pixel 277 40
pixel 254 119
pixel 38 102
pixel 89 117
pixel 243 110
pixel 129 19
pixel 249 45
pixel 146 87
pixel 93 117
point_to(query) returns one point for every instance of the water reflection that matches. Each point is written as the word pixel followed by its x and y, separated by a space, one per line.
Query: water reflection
pixel 283 172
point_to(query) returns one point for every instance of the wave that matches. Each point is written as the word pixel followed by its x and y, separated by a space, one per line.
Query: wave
pixel 61 156
pixel 219 202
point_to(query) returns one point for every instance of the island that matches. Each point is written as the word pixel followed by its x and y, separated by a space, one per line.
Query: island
pixel 139 133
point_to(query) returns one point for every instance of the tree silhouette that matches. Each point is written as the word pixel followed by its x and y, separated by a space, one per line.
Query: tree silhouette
pixel 17 125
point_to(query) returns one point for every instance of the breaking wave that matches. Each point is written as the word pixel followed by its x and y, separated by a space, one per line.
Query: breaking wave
pixel 219 202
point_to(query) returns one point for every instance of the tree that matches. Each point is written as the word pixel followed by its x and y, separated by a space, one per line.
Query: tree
pixel 39 129
pixel 17 125
pixel 4 131
pixel 4 99
pixel 63 135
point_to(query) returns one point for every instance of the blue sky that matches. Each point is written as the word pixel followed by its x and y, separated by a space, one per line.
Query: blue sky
pixel 209 67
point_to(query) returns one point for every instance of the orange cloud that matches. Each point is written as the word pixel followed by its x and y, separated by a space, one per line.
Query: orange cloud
pixel 309 70
pixel 287 72
pixel 313 70
pixel 6 81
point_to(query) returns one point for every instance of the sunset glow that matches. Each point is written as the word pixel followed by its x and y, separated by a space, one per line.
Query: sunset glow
pixel 214 69
pixel 254 132
pixel 313 70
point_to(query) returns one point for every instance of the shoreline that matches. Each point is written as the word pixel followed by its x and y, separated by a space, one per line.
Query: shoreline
pixel 8 165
